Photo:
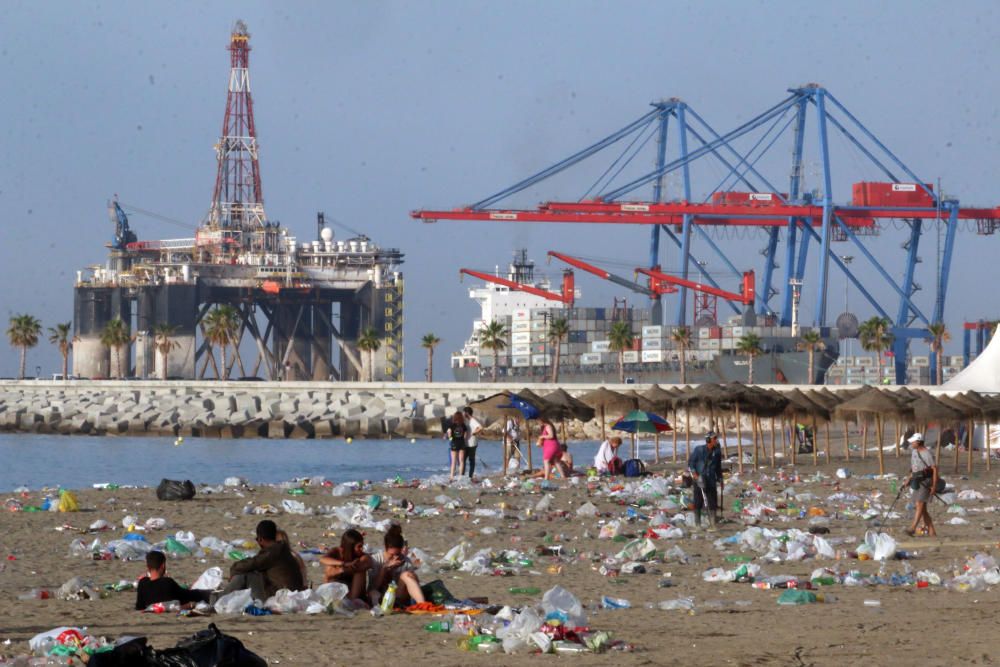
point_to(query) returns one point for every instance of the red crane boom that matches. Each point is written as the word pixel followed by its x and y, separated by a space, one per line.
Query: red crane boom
pixel 568 288
pixel 745 298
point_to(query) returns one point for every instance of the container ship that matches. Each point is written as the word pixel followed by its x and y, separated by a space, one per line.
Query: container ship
pixel 586 355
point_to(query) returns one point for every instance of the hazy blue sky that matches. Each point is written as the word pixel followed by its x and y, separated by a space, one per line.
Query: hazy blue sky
pixel 366 110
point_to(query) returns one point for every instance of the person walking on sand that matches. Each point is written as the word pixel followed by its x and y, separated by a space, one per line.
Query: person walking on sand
pixel 456 434
pixel 551 451
pixel 473 428
pixel 705 464
pixel 923 481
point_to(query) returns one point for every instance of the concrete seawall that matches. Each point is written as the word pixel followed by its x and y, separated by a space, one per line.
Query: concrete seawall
pixel 252 409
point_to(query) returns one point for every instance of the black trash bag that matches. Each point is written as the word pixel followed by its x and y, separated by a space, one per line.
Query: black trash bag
pixel 133 653
pixel 209 648
pixel 172 489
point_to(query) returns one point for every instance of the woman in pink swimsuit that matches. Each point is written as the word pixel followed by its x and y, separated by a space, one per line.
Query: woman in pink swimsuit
pixel 551 451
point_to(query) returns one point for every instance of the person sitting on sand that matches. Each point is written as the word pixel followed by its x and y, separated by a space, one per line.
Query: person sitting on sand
pixel 392 564
pixel 349 565
pixel 273 568
pixel 156 586
pixel 607 461
pixel 566 459
pixel 283 537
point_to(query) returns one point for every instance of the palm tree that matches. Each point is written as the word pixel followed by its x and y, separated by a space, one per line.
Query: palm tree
pixel 620 337
pixel 23 333
pixel 115 335
pixel 750 346
pixel 681 336
pixel 222 329
pixel 369 342
pixel 812 341
pixel 939 336
pixel 558 331
pixel 494 337
pixel 60 335
pixel 429 342
pixel 164 342
pixel 875 335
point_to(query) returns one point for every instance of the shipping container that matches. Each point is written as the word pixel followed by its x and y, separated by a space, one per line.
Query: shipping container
pixel 739 332
pixel 704 332
pixel 520 326
pixel 521 337
pixel 714 344
pixel 715 332
pixel 520 361
pixel 540 360
pixel 652 356
pixel 600 346
pixel 652 332
pixel 921 361
pixel 652 344
pixel 590 359
pixel 630 357
pixel 520 348
pixel 540 325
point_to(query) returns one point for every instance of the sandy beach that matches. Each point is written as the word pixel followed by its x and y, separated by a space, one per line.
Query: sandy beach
pixel 732 623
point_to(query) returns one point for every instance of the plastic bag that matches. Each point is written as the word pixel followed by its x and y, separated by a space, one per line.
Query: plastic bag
pixel 234 603
pixel 587 509
pixel 455 555
pixel 796 597
pixel 295 507
pixel 881 544
pixel 823 548
pixel 643 549
pixel 610 530
pixel 516 636
pixel 68 502
pixel 560 603
pixel 172 489
pixel 680 604
pixel 285 601
pixel 210 580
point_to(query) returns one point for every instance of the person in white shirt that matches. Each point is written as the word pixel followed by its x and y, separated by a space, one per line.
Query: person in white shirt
pixel 392 564
pixel 511 442
pixel 473 427
pixel 607 460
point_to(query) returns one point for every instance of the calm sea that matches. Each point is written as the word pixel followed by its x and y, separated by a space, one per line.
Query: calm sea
pixel 80 461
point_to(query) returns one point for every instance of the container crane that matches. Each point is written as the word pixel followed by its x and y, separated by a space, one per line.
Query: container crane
pixel 657 309
pixel 567 296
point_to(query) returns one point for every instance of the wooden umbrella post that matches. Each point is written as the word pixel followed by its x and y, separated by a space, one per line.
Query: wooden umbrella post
pixel 756 450
pixel 895 436
pixel 986 445
pixel 656 440
pixel 958 448
pixel 878 435
pixel 673 456
pixel 972 441
pixel 864 438
pixel 847 442
pixel 826 440
pixel 937 450
pixel 604 426
pixel 687 432
pixel 815 428
pixel 725 448
pixel 793 449
pixel 772 442
pixel 527 424
pixel 739 438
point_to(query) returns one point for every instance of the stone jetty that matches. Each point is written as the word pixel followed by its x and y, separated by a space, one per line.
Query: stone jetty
pixel 276 410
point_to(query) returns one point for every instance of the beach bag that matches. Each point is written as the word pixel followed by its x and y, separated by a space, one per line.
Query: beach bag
pixel 941 485
pixel 634 468
pixel 171 489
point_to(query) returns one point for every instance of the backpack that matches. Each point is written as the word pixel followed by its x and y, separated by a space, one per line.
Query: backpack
pixel 634 468
pixel 171 489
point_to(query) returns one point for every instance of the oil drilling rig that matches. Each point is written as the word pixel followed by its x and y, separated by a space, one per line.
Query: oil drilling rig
pixel 298 307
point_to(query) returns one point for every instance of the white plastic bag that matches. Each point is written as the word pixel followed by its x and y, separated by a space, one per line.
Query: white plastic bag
pixel 610 530
pixel 882 545
pixel 823 548
pixel 295 507
pixel 516 636
pixel 210 580
pixel 234 603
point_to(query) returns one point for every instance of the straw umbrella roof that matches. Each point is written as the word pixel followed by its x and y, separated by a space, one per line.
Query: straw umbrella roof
pixel 707 397
pixel 874 401
pixel 567 404
pixel 801 404
pixel 602 398
pixel 659 399
pixel 927 408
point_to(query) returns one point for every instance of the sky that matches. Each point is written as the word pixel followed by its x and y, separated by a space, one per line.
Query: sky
pixel 369 110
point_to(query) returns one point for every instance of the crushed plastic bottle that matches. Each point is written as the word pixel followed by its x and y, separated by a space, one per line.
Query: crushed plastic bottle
pixel 608 602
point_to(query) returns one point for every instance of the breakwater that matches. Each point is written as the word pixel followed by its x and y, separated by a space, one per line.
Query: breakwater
pixel 275 410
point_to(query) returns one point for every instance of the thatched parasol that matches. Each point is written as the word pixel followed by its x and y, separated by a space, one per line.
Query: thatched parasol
pixel 661 401
pixel 604 400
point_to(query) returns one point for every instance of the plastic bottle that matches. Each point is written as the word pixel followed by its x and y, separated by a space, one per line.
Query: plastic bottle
pixel 36 594
pixel 608 602
pixel 738 558
pixel 389 599
pixel 438 626
pixel 299 491
pixel 527 590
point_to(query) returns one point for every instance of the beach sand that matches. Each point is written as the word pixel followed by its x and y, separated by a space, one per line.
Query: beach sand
pixel 932 626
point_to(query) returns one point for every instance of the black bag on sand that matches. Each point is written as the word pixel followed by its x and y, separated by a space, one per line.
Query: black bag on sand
pixel 171 489
pixel 209 648
pixel 133 653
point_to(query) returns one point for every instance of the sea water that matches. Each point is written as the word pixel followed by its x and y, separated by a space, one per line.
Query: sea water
pixel 81 461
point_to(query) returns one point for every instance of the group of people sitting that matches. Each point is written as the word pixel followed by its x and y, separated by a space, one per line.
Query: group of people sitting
pixel 276 566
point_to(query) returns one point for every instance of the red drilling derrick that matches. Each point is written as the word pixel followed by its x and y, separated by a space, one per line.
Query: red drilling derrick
pixel 237 213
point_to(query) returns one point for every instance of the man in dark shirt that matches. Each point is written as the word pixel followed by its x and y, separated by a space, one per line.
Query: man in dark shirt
pixel 157 587
pixel 705 464
pixel 273 568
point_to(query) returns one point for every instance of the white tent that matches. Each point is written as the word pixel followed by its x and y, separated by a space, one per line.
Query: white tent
pixel 982 375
